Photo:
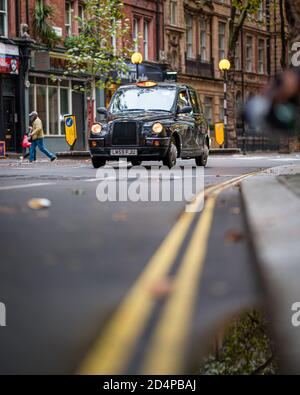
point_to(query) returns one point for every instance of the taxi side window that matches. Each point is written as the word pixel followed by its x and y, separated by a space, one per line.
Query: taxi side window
pixel 183 99
pixel 195 102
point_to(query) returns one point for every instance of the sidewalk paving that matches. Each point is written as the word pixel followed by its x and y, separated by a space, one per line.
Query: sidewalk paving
pixel 272 203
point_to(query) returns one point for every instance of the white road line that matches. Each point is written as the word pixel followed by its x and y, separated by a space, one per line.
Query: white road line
pixel 40 184
pixel 222 175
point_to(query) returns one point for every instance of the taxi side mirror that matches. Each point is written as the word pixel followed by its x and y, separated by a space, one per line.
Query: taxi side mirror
pixel 185 110
pixel 102 111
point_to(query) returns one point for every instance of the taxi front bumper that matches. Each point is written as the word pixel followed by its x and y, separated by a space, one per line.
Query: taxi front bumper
pixel 154 149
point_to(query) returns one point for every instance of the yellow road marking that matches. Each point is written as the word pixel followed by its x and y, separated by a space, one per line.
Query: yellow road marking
pixel 166 349
pixel 113 349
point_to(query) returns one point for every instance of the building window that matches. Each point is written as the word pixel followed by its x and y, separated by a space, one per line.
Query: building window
pixel 238 109
pixel 52 100
pixel 3 18
pixel 146 40
pixel 261 56
pixel 114 38
pixel 136 34
pixel 53 110
pixel 222 27
pixel 173 12
pixel 237 62
pixel 261 11
pixel 189 36
pixel 203 44
pixel 81 14
pixel 249 54
pixel 68 18
pixel 208 109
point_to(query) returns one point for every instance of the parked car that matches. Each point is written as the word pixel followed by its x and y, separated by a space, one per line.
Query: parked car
pixel 151 121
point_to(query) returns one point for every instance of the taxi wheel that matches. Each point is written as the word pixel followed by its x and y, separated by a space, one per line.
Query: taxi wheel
pixel 202 159
pixel 171 157
pixel 98 162
pixel 136 162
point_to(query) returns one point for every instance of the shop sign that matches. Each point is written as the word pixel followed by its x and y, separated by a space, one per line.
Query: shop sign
pixel 58 31
pixel 9 59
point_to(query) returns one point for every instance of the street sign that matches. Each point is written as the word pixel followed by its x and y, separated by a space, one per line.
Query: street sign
pixel 2 149
pixel 219 133
pixel 70 129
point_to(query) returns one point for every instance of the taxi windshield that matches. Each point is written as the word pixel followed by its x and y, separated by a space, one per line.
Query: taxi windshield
pixel 143 99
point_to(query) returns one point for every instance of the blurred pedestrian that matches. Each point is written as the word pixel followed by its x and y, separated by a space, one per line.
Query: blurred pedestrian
pixel 37 137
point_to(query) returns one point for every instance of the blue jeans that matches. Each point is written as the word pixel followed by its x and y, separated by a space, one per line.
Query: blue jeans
pixel 40 144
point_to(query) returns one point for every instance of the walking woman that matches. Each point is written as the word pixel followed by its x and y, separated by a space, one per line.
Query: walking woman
pixel 37 138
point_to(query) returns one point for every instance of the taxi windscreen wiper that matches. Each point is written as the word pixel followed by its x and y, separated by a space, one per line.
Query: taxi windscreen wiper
pixel 128 110
pixel 156 109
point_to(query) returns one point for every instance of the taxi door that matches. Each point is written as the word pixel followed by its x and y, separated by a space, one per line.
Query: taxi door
pixel 186 123
pixel 200 128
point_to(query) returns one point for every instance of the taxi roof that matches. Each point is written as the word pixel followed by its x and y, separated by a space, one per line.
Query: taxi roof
pixel 162 84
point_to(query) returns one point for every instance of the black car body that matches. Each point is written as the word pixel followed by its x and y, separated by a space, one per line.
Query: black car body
pixel 151 121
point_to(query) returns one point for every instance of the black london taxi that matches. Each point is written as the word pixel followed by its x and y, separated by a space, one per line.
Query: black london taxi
pixel 151 121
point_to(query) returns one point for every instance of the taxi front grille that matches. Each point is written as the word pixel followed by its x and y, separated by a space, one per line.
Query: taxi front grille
pixel 124 133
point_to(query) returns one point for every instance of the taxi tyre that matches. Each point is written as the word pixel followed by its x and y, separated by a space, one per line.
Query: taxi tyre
pixel 98 162
pixel 171 156
pixel 202 159
pixel 136 162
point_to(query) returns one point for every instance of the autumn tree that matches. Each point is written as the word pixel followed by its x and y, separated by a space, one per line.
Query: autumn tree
pixel 100 49
pixel 241 11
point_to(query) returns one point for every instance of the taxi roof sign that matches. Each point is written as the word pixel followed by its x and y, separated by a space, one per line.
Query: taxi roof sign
pixel 146 84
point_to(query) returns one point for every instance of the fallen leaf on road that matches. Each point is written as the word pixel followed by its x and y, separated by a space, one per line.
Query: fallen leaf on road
pixel 78 192
pixel 120 216
pixel 235 210
pixel 162 288
pixel 7 210
pixel 38 204
pixel 234 236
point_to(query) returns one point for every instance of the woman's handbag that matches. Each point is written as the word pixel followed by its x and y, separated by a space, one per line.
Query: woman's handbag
pixel 26 142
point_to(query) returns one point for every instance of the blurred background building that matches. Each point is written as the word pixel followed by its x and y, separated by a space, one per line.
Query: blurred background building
pixel 188 37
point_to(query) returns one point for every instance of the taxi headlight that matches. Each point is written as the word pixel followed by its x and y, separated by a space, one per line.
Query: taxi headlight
pixel 157 128
pixel 96 128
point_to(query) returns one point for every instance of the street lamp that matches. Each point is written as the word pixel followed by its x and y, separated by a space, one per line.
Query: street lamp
pixel 137 59
pixel 224 66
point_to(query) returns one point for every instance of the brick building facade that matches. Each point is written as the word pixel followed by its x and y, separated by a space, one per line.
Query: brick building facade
pixel 196 39
pixel 180 35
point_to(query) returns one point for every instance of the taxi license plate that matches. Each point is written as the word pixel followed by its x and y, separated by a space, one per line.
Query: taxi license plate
pixel 125 152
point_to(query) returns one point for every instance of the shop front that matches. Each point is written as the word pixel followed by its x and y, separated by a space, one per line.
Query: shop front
pixel 9 103
pixel 54 95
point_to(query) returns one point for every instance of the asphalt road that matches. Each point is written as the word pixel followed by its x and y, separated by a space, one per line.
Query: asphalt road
pixel 72 275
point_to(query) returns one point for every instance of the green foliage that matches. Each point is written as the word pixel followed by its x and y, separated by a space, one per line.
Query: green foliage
pixel 246 349
pixel 92 52
pixel 240 11
pixel 42 27
pixel 250 5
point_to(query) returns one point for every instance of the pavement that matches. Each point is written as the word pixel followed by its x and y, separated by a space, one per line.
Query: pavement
pixel 272 202
pixel 92 286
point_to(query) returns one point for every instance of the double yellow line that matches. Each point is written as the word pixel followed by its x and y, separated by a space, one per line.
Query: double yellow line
pixel 111 353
